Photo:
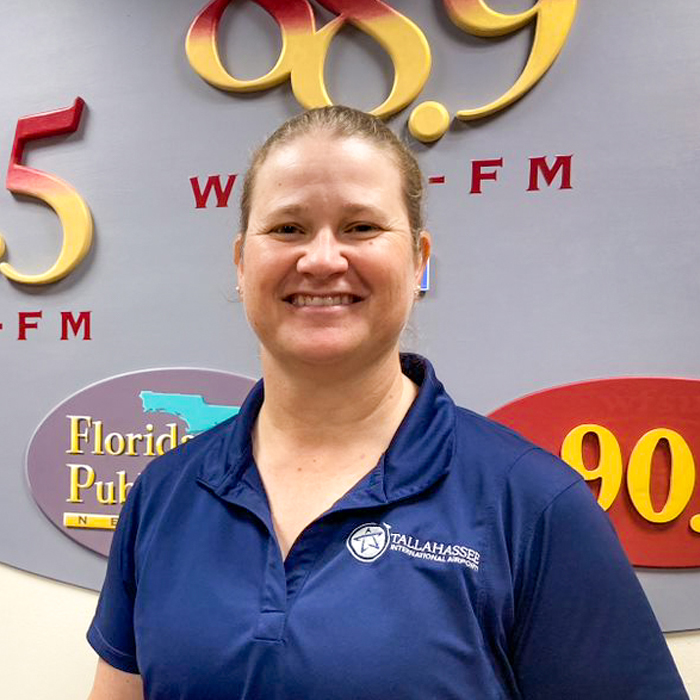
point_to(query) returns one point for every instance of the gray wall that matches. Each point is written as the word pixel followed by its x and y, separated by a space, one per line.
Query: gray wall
pixel 530 290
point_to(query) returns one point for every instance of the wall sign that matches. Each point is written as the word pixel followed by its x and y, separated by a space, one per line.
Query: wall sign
pixel 635 440
pixel 525 231
pixel 85 455
pixel 62 197
pixel 304 50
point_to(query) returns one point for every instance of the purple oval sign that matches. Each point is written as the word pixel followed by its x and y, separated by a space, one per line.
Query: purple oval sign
pixel 83 458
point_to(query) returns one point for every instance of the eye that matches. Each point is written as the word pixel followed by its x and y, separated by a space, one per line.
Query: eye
pixel 286 230
pixel 363 228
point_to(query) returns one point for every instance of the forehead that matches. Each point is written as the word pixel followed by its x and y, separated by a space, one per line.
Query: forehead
pixel 304 146
pixel 325 164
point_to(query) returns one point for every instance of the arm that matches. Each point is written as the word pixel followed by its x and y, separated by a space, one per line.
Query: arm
pixel 113 684
pixel 585 629
pixel 111 633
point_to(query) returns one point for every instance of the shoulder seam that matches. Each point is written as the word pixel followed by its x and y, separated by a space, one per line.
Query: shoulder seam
pixel 524 453
pixel 526 622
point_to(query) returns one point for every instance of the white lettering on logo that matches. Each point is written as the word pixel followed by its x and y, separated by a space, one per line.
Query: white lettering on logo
pixel 370 541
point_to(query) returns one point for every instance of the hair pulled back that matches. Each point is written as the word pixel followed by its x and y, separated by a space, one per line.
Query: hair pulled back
pixel 343 122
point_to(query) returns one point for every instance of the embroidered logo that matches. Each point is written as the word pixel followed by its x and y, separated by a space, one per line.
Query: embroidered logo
pixel 368 542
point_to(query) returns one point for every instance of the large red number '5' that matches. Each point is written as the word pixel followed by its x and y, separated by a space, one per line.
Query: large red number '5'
pixel 70 207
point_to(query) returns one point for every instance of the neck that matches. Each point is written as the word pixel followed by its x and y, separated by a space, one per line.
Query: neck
pixel 301 400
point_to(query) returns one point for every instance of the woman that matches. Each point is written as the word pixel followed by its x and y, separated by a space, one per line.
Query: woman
pixel 351 533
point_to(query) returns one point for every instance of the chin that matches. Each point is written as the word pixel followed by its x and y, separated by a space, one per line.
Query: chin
pixel 329 355
pixel 313 351
pixel 321 356
pixel 325 348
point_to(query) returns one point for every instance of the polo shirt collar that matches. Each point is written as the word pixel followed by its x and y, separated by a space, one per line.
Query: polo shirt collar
pixel 418 456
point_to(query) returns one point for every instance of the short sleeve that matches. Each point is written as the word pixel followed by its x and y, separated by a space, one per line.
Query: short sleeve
pixel 111 633
pixel 584 628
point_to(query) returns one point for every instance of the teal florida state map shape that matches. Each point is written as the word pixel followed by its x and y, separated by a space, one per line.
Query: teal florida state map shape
pixel 192 408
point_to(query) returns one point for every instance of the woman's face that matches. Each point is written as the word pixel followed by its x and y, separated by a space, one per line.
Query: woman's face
pixel 329 271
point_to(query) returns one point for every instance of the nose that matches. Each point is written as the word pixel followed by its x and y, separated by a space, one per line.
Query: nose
pixel 322 255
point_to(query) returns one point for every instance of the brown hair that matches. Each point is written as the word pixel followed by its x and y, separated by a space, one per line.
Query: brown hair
pixel 344 122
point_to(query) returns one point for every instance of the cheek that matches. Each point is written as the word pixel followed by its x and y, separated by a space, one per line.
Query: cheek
pixel 401 287
pixel 260 269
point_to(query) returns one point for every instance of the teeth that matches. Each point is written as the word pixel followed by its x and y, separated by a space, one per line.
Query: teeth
pixel 327 300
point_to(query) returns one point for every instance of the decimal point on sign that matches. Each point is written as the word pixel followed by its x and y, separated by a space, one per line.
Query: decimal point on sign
pixel 429 121
pixel 695 523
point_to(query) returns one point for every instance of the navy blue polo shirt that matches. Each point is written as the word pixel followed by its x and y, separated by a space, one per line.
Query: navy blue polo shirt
pixel 467 564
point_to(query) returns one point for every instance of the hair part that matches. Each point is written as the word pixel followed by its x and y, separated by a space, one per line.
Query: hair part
pixel 344 122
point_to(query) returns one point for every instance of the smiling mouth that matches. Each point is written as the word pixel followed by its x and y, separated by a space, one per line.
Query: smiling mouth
pixel 322 299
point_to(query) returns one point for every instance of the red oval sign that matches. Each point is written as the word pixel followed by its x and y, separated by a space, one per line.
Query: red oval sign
pixel 636 441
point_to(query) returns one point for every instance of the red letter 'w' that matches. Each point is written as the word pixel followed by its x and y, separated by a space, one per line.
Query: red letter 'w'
pixel 213 182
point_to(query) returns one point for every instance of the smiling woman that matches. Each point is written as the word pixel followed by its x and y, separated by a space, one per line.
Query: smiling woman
pixel 351 533
pixel 330 269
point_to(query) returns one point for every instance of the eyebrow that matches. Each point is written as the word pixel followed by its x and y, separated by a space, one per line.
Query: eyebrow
pixel 352 209
pixel 369 209
pixel 287 210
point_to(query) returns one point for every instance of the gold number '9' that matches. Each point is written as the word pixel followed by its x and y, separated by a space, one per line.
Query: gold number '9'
pixel 553 21
pixel 609 469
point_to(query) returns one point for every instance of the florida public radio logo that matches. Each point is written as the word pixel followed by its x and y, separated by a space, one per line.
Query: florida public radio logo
pixel 370 541
pixel 85 456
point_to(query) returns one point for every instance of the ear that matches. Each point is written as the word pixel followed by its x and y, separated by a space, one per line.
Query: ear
pixel 238 250
pixel 238 257
pixel 425 245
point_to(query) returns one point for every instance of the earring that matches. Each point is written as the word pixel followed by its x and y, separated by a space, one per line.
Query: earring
pixel 417 292
pixel 239 291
